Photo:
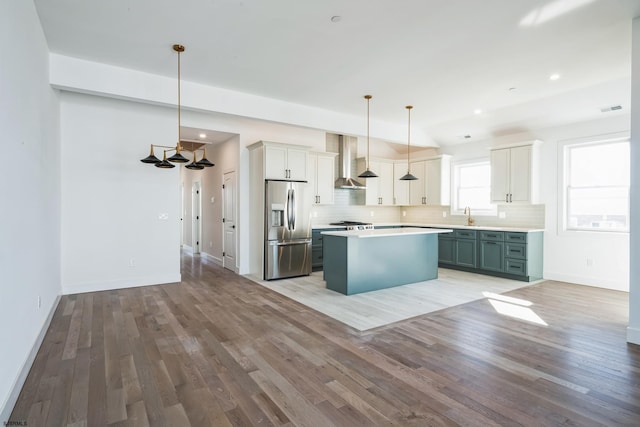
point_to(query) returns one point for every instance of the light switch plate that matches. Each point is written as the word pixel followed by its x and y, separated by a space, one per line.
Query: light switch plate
pixel 163 216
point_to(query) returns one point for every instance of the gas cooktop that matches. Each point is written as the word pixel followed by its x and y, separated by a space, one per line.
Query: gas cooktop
pixel 347 223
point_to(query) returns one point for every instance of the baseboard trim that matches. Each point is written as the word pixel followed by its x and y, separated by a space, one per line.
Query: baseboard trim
pixel 614 285
pixel 80 288
pixel 216 260
pixel 12 398
pixel 633 335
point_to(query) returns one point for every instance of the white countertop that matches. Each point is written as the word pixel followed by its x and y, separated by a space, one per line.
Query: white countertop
pixel 449 226
pixel 387 232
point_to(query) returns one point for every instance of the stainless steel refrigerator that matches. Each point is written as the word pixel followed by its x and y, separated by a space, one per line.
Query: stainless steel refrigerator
pixel 287 230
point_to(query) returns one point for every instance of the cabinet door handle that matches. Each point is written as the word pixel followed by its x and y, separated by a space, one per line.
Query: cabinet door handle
pixel 510 198
pixel 506 197
pixel 491 243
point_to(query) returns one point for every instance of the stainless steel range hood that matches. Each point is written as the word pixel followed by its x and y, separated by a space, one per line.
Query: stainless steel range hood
pixel 344 161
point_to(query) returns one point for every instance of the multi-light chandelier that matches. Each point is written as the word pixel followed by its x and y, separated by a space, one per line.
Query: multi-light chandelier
pixel 167 163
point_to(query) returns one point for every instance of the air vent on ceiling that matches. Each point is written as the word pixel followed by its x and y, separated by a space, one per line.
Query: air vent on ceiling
pixel 611 108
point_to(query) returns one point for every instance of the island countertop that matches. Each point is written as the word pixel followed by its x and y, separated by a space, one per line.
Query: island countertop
pixel 387 232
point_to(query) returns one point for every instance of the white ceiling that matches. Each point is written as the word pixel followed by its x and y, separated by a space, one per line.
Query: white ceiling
pixel 444 57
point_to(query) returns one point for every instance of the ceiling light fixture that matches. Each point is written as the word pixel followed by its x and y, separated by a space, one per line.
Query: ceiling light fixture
pixel 409 176
pixel 177 157
pixel 477 111
pixel 554 77
pixel 202 135
pixel 367 173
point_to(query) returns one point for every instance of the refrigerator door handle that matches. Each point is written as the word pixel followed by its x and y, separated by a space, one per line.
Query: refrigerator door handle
pixel 289 243
pixel 293 209
pixel 288 209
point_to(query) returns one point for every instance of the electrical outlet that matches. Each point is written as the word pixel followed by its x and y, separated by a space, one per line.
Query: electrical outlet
pixel 39 302
pixel 404 213
pixel 371 213
pixel 589 262
pixel 444 214
pixel 502 215
pixel 315 214
pixel 163 216
pixel 132 262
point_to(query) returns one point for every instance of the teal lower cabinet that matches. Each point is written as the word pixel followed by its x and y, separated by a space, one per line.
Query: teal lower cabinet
pixel 446 249
pixel 316 248
pixel 466 248
pixel 492 251
pixel 512 255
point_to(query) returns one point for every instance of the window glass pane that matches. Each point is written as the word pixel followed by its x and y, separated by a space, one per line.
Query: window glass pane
pixel 473 186
pixel 603 164
pixel 597 196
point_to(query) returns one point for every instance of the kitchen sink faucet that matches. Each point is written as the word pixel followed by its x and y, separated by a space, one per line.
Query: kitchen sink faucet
pixel 467 211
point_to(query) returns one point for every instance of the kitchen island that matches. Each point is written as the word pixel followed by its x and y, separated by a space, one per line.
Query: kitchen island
pixel 367 260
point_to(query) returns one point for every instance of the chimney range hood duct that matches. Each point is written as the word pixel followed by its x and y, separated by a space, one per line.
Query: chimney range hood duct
pixel 344 160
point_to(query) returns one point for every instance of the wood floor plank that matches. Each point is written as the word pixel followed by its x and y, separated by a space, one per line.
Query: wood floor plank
pixel 220 350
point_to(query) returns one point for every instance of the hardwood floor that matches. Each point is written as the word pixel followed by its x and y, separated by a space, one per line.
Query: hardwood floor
pixel 220 350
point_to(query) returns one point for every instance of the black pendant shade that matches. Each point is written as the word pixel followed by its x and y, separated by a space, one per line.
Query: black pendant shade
pixel 164 164
pixel 151 158
pixel 367 174
pixel 204 162
pixel 408 177
pixel 194 165
pixel 178 158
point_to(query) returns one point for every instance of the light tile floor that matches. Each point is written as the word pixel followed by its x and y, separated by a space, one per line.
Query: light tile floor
pixel 379 308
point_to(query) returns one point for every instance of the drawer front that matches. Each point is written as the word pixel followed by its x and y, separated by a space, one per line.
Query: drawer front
pixel 516 250
pixel 494 236
pixel 515 237
pixel 515 266
pixel 465 234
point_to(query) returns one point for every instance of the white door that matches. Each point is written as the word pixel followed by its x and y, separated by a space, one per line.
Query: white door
pixel 325 180
pixel 229 220
pixel 385 189
pixel 520 174
pixel 297 164
pixel 196 215
pixel 182 214
pixel 500 175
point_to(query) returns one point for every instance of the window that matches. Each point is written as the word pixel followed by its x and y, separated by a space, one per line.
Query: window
pixel 472 187
pixel 597 186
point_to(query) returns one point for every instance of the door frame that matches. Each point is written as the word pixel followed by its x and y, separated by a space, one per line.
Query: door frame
pixel 196 216
pixel 234 197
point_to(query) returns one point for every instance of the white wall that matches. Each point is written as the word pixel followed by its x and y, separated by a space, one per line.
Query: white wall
pixel 633 331
pixel 112 236
pixel 30 210
pixel 566 254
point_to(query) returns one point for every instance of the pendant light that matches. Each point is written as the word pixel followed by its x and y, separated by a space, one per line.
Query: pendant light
pixel 166 163
pixel 408 176
pixel 367 173
pixel 178 158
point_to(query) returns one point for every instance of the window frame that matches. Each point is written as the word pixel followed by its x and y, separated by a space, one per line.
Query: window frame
pixel 459 210
pixel 564 148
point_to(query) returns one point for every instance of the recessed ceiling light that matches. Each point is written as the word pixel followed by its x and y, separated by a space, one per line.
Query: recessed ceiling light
pixel 511 89
pixel 336 18
pixel 554 76
pixel 477 111
pixel 202 135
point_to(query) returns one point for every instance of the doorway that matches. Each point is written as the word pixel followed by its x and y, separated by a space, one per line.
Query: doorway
pixel 229 220
pixel 196 215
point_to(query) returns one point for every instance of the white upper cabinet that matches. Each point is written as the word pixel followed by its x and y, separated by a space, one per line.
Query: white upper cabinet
pixel 379 190
pixel 433 185
pixel 321 171
pixel 400 188
pixel 514 173
pixel 282 162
